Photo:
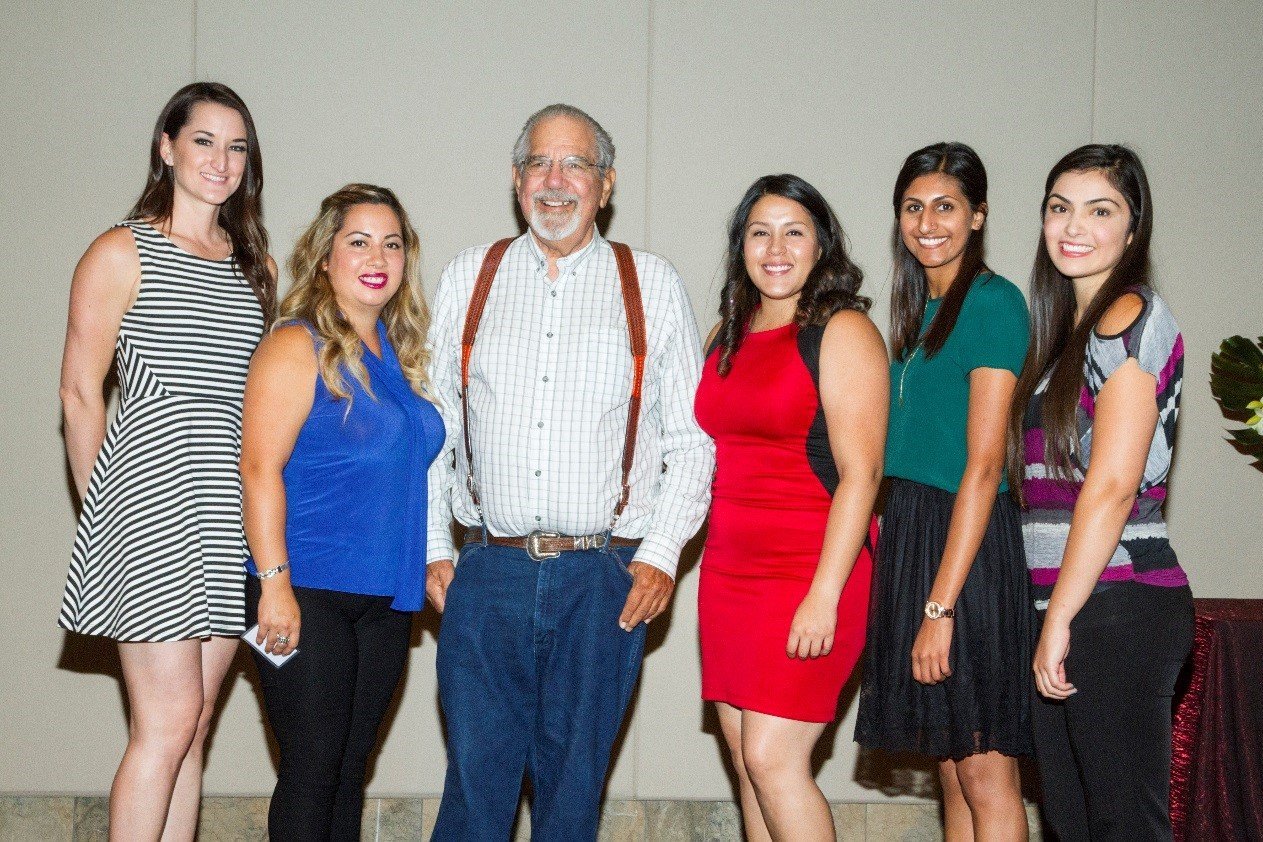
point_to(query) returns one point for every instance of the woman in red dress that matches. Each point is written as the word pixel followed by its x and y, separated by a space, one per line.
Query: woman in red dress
pixel 795 393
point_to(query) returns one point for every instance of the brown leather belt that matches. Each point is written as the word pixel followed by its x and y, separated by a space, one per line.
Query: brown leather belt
pixel 541 545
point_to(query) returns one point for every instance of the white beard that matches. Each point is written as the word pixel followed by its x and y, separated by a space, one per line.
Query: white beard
pixel 554 226
pixel 548 226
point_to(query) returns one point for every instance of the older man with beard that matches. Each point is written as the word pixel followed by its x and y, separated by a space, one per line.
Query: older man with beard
pixel 566 379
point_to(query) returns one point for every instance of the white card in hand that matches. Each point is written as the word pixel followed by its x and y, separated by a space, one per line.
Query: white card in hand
pixel 252 634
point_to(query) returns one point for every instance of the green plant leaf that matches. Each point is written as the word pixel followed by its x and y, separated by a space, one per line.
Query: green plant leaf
pixel 1236 380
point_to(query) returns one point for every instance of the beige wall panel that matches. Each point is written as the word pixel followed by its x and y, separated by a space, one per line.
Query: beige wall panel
pixel 838 93
pixel 701 99
pixel 1181 84
pixel 426 99
pixel 79 94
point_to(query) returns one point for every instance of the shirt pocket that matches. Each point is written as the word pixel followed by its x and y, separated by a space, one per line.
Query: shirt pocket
pixel 602 368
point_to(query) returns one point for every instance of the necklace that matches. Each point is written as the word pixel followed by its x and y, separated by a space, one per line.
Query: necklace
pixel 903 374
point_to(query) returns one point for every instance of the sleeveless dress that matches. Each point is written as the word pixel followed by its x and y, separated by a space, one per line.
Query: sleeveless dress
pixel 159 550
pixel 774 484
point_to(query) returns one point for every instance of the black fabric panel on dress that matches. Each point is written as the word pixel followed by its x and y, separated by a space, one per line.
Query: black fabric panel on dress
pixel 819 454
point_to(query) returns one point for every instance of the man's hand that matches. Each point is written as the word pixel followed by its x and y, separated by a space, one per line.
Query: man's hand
pixel 438 575
pixel 650 593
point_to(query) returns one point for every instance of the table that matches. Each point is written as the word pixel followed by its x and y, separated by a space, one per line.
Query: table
pixel 1217 733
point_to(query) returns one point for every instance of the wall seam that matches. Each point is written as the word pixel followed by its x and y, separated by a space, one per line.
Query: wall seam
pixel 1096 52
pixel 193 29
pixel 648 110
pixel 635 735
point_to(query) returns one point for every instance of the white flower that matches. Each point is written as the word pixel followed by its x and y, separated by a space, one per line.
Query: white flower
pixel 1255 421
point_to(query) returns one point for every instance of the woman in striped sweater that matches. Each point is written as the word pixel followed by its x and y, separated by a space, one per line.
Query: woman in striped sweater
pixel 1092 432
pixel 177 296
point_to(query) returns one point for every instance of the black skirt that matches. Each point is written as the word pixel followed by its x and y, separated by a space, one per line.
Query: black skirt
pixel 984 705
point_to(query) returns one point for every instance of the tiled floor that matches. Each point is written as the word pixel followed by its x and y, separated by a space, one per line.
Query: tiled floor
pixel 68 818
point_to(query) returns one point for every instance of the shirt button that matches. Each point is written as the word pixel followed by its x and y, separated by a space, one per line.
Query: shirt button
pixel 537 473
pixel 553 293
pixel 539 423
pixel 537 517
pixel 549 335
pixel 545 378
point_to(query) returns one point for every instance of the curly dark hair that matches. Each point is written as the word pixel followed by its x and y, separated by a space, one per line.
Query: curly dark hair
pixel 832 284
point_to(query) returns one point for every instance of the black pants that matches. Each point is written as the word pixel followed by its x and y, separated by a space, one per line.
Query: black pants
pixel 325 705
pixel 1104 754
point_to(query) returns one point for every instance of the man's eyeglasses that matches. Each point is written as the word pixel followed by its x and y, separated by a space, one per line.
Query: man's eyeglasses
pixel 572 166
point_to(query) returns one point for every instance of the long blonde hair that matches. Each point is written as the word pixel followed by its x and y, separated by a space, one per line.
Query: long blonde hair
pixel 311 299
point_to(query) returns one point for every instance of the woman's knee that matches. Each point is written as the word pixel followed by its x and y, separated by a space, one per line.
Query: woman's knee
pixel 988 780
pixel 738 758
pixel 767 760
pixel 170 732
pixel 203 724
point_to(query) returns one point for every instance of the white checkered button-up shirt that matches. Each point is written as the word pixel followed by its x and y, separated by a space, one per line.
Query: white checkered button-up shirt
pixel 549 385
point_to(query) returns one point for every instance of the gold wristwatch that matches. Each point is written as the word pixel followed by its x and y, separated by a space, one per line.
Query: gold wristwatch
pixel 934 610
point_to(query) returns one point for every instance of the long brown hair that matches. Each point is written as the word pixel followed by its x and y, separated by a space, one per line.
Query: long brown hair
pixel 241 216
pixel 311 298
pixel 832 284
pixel 1058 346
pixel 910 288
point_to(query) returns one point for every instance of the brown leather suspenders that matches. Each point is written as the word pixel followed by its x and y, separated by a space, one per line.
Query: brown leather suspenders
pixel 639 347
pixel 473 315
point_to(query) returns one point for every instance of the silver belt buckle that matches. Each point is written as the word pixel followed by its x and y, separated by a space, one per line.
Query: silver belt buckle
pixel 590 542
pixel 532 545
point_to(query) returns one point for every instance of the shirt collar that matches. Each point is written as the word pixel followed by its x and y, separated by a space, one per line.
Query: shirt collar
pixel 569 263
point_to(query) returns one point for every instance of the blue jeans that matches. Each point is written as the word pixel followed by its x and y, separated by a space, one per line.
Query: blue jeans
pixel 534 675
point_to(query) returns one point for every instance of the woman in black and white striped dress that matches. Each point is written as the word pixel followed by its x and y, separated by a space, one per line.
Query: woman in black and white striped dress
pixel 179 296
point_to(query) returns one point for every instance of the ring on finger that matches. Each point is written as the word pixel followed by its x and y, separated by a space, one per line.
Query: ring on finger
pixel 282 639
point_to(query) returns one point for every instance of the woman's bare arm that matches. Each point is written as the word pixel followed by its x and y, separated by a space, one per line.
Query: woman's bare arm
pixel 103 289
pixel 855 396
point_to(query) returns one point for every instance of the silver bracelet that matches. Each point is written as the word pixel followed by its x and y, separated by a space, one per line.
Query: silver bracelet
pixel 268 574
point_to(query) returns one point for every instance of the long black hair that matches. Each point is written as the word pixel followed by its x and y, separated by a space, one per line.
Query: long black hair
pixel 832 284
pixel 1058 345
pixel 241 216
pixel 910 288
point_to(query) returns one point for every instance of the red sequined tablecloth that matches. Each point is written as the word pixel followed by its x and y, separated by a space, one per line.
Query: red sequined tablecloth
pixel 1217 734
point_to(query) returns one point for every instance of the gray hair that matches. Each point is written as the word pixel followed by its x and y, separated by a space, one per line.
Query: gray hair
pixel 604 143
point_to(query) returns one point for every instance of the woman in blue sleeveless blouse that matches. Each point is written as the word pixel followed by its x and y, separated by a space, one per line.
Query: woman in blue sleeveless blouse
pixel 337 440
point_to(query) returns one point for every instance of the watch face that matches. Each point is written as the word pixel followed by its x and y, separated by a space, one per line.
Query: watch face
pixel 933 610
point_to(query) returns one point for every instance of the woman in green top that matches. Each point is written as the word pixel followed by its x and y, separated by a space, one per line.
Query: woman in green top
pixel 947 665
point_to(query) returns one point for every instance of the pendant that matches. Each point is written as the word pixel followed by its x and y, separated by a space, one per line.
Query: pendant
pixel 903 374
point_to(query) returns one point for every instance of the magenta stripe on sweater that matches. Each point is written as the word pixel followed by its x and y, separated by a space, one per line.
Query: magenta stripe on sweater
pixel 1049 494
pixel 1034 444
pixel 1045 576
pixel 1086 402
pixel 1177 354
pixel 1167 577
